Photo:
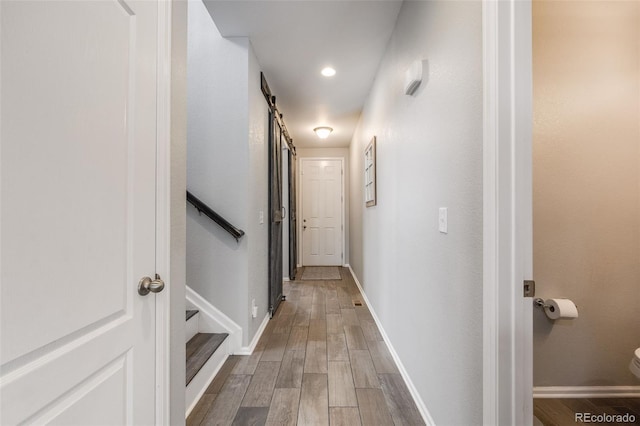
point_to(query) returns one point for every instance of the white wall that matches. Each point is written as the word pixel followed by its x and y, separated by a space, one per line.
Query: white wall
pixel 226 169
pixel 320 153
pixel 257 234
pixel 425 286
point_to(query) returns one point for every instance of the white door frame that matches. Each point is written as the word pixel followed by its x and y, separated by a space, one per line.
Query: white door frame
pixel 507 246
pixel 300 204
pixel 163 214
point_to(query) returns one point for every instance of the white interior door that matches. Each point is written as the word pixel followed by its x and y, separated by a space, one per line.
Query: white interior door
pixel 78 126
pixel 322 228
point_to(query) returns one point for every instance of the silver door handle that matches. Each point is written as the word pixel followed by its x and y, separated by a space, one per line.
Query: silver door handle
pixel 147 285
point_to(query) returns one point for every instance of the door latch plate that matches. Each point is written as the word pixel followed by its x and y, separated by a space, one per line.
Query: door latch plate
pixel 529 288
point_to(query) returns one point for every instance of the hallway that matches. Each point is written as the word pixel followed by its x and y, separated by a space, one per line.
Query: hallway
pixel 252 91
pixel 321 360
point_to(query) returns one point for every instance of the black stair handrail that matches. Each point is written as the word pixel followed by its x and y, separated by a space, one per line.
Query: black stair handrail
pixel 203 208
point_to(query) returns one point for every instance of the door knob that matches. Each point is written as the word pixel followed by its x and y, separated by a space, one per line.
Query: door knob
pixel 147 285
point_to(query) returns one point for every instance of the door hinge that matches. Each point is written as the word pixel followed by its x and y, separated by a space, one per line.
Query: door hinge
pixel 529 288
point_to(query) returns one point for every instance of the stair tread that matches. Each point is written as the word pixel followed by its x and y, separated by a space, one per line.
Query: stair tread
pixel 190 313
pixel 199 350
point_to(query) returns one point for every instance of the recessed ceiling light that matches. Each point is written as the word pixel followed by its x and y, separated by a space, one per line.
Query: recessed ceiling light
pixel 323 132
pixel 328 72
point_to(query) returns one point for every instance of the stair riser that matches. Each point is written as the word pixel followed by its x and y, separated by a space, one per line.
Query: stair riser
pixel 192 327
pixel 205 376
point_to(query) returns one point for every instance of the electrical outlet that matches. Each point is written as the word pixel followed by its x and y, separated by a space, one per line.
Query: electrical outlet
pixel 254 309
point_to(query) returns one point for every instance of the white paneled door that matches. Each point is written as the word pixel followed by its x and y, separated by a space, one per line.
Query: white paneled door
pixel 78 179
pixel 322 201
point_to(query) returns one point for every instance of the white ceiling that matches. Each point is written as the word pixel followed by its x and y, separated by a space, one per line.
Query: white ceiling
pixel 295 39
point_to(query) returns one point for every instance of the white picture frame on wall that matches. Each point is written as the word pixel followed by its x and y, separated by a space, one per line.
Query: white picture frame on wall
pixel 370 173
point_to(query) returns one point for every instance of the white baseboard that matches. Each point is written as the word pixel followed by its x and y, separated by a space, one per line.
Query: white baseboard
pixel 426 416
pixel 285 279
pixel 248 350
pixel 212 320
pixel 205 376
pixel 586 391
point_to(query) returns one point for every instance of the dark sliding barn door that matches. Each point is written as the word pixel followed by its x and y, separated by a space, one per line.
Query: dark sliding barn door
pixel 275 214
pixel 293 224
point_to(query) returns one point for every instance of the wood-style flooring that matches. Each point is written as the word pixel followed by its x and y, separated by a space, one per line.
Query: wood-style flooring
pixel 562 411
pixel 320 361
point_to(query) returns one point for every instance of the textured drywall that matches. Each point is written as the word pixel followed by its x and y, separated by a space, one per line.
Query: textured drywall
pixel 227 169
pixel 257 234
pixel 586 181
pixel 425 286
pixel 217 163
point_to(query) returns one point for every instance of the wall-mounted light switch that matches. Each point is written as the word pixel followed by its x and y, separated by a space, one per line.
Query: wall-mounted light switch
pixel 261 217
pixel 442 220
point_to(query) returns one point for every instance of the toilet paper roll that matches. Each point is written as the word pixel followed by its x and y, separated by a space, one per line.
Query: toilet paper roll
pixel 560 309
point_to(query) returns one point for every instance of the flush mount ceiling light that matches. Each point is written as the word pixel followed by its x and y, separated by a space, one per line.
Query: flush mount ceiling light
pixel 323 132
pixel 328 72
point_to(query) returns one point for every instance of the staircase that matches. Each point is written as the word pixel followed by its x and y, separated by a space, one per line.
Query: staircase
pixel 206 352
pixel 210 335
pixel 199 350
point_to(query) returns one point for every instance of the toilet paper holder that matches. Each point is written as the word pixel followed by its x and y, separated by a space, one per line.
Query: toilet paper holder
pixel 557 308
pixel 539 302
